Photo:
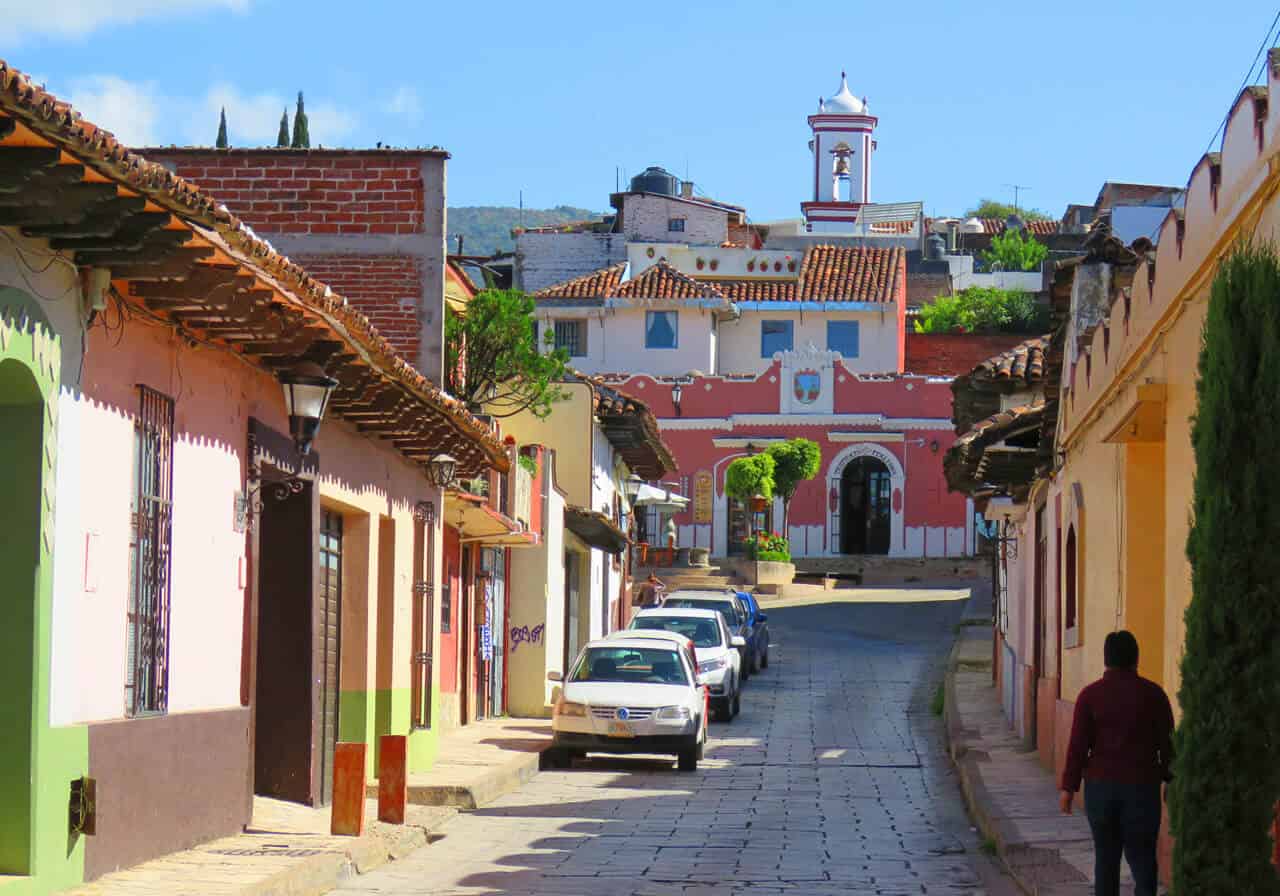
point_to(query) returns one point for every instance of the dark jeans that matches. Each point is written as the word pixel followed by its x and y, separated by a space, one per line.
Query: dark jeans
pixel 1125 819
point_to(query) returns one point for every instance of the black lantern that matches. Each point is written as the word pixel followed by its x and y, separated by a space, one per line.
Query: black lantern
pixel 676 392
pixel 631 487
pixel 306 396
pixel 440 470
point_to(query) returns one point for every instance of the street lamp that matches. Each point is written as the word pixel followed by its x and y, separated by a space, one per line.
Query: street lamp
pixel 631 488
pixel 440 470
pixel 676 392
pixel 306 396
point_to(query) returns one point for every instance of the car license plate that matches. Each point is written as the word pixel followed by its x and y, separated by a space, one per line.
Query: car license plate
pixel 620 729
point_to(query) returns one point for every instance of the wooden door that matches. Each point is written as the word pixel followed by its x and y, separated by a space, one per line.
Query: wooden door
pixel 466 686
pixel 330 624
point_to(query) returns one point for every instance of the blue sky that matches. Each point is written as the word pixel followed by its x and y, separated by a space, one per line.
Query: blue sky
pixel 551 97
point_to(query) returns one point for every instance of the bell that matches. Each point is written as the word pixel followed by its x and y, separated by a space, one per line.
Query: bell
pixel 842 166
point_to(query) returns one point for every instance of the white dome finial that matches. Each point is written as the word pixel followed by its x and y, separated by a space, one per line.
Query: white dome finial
pixel 844 102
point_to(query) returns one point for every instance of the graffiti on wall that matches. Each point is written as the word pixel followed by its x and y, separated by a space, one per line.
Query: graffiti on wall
pixel 523 634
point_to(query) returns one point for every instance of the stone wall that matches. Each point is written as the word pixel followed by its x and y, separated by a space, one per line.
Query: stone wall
pixel 545 259
pixel 645 218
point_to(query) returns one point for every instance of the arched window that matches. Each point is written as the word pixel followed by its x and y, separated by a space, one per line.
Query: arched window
pixel 1070 607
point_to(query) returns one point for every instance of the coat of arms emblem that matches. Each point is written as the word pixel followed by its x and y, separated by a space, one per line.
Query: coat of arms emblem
pixel 807 384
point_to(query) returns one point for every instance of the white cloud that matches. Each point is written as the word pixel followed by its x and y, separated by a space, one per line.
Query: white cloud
pixel 128 110
pixel 75 18
pixel 405 105
pixel 255 119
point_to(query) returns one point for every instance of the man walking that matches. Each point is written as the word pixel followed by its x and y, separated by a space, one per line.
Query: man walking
pixel 1121 745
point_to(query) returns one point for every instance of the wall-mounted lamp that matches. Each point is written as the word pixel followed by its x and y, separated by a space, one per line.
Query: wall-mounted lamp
pixel 676 392
pixel 933 446
pixel 306 396
pixel 631 488
pixel 441 470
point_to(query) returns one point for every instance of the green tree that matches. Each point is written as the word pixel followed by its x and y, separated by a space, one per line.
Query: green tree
pixel 221 142
pixel 984 309
pixel 282 138
pixel 749 476
pixel 1015 250
pixel 493 359
pixel 1226 779
pixel 989 208
pixel 301 133
pixel 794 461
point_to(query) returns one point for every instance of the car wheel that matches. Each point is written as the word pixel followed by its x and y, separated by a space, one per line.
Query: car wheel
pixel 688 760
pixel 556 757
pixel 737 702
pixel 745 669
pixel 764 663
pixel 722 709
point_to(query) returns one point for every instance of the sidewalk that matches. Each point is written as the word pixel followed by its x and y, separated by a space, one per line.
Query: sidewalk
pixel 1011 796
pixel 288 851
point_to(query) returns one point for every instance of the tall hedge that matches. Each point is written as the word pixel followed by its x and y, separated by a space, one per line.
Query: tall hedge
pixel 1227 753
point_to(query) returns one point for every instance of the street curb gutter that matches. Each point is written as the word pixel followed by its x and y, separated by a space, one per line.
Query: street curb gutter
pixel 501 780
pixel 972 784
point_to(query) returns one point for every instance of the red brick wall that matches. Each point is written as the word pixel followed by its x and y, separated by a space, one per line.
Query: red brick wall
pixel 322 192
pixel 385 288
pixel 951 354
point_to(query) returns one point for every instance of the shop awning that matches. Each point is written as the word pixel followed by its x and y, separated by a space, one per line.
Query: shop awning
pixel 595 529
pixel 662 498
pixel 477 522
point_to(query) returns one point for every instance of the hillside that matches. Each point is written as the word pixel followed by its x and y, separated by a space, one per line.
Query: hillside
pixel 487 228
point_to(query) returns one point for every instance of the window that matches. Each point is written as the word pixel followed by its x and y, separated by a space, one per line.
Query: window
pixel 842 337
pixel 1070 607
pixel 775 336
pixel 571 335
pixel 661 329
pixel 147 670
pixel 675 225
pixel 446 601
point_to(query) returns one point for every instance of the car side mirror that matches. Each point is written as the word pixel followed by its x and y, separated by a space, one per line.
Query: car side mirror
pixel 763 617
pixel 738 641
pixel 554 675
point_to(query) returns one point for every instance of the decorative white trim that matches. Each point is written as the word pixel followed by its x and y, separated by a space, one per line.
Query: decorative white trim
pixel 743 441
pixel 736 421
pixel 865 437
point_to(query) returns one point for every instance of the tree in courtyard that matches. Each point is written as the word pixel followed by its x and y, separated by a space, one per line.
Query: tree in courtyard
pixel 221 142
pixel 493 358
pixel 749 477
pixel 282 138
pixel 1225 777
pixel 989 208
pixel 794 461
pixel 1015 250
pixel 301 133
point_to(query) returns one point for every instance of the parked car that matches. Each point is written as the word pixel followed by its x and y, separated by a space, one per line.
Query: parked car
pixel 759 630
pixel 729 605
pixel 631 695
pixel 715 647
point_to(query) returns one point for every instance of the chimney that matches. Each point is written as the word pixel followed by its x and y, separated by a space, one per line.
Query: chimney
pixel 686 189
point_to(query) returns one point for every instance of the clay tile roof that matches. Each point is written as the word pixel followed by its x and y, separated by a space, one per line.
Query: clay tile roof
pixel 595 285
pixel 756 290
pixel 963 463
pixel 662 281
pixel 632 428
pixel 1023 364
pixel 851 274
pixel 1035 228
pixel 58 123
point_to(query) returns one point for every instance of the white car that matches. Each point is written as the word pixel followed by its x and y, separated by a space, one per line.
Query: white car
pixel 717 650
pixel 631 695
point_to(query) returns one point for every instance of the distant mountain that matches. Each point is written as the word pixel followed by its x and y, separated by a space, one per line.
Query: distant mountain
pixel 487 228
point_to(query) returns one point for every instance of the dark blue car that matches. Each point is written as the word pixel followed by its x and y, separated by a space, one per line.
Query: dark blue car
pixel 757 632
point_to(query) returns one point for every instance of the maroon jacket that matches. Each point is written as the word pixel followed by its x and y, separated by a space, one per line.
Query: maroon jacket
pixel 1122 731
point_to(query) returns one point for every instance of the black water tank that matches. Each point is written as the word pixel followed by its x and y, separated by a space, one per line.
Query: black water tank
pixel 655 180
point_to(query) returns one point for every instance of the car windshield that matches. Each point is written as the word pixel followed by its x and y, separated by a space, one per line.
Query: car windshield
pixel 725 607
pixel 702 632
pixel 643 665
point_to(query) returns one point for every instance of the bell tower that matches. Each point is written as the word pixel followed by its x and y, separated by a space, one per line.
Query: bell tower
pixel 842 144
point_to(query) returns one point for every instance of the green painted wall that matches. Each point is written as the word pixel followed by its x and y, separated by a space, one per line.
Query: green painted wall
pixel 363 716
pixel 54 859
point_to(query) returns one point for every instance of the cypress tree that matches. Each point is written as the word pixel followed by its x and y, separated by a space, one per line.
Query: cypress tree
pixel 221 142
pixel 301 136
pixel 1226 777
pixel 282 138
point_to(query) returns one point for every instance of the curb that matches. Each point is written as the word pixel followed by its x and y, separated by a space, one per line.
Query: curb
pixel 501 780
pixel 973 786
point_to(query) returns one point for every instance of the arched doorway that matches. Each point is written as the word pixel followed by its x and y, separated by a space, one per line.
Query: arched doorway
pixel 21 421
pixel 866 506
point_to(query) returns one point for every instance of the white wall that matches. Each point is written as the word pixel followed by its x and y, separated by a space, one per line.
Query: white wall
pixel 645 217
pixel 877 338
pixel 615 344
pixel 545 259
pixel 52 281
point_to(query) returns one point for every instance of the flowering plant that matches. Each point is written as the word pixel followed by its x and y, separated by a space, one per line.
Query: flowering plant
pixel 768 546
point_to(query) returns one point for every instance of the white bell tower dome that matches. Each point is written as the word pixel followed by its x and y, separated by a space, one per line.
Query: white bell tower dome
pixel 842 145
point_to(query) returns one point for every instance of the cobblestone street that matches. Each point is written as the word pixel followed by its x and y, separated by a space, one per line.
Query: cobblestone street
pixel 833 780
